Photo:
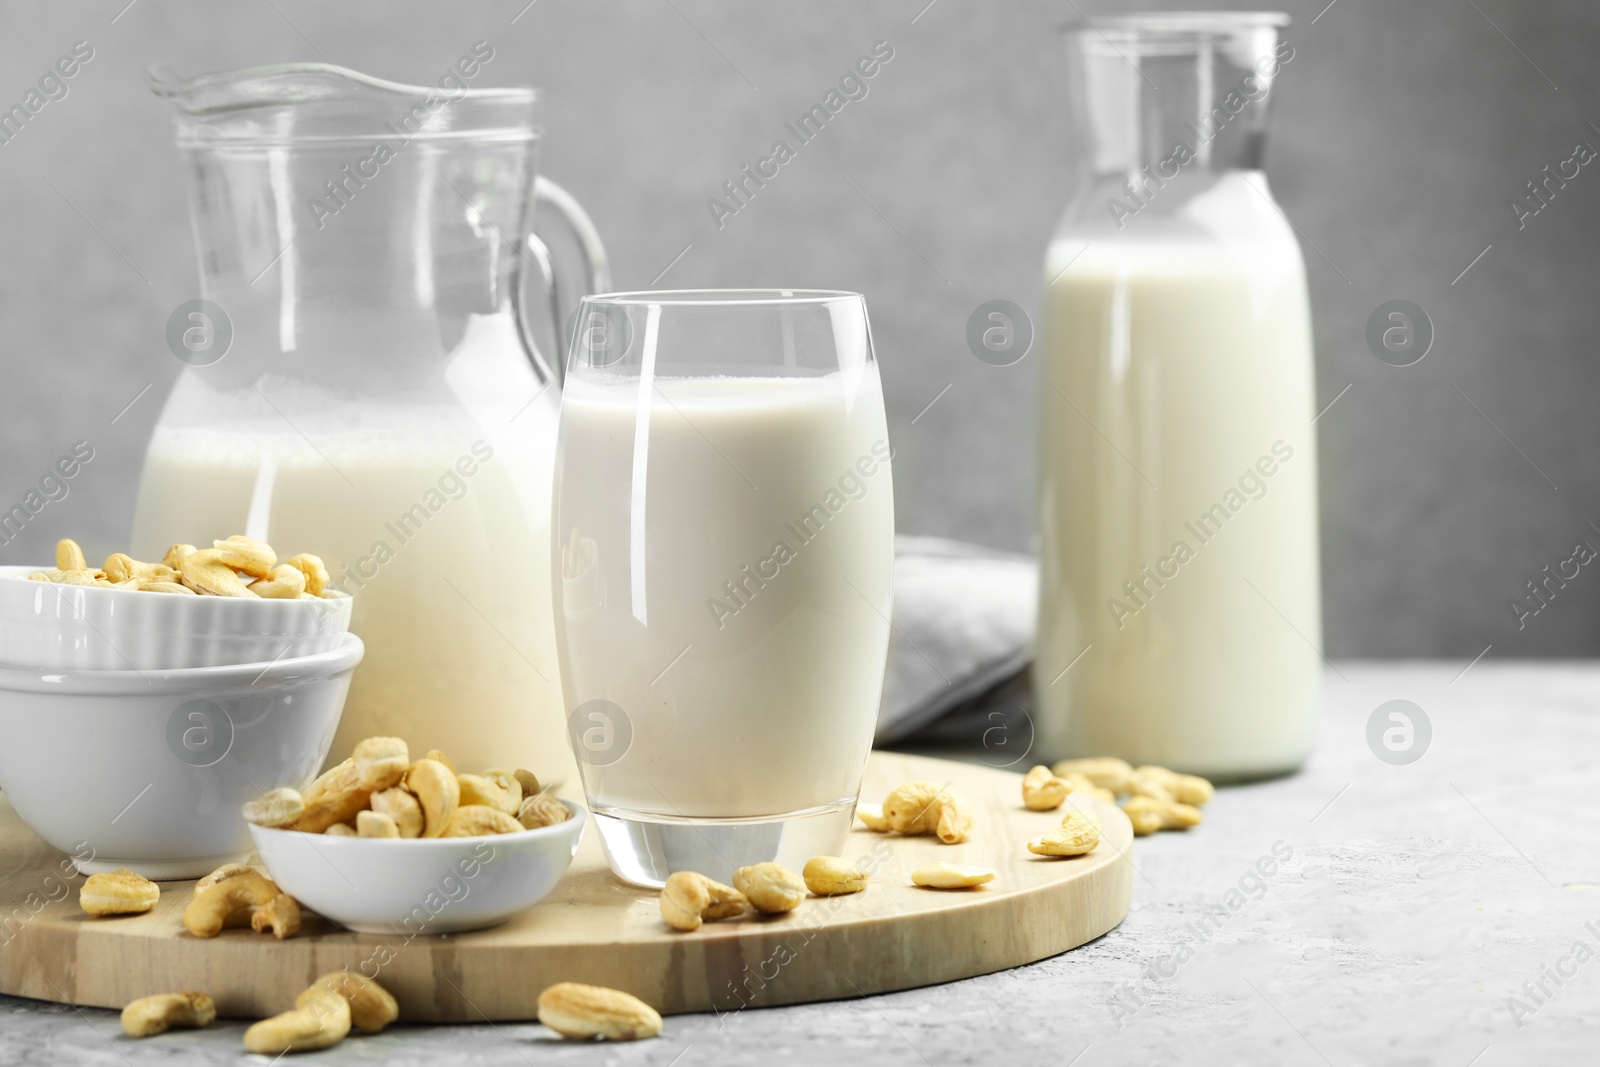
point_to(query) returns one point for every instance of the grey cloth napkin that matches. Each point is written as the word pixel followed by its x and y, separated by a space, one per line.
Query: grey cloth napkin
pixel 963 630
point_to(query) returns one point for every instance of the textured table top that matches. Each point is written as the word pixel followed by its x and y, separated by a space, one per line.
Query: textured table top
pixel 1433 912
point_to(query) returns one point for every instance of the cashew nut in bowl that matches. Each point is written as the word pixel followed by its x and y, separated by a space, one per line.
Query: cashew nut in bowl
pixel 502 794
pixel 436 789
pixel 280 807
pixel 333 798
pixel 401 807
pixel 255 558
pixel 285 583
pixel 312 567
pixel 205 572
pixel 381 762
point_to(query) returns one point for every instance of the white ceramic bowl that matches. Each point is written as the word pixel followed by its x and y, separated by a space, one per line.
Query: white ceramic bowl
pixel 148 769
pixel 75 627
pixel 440 885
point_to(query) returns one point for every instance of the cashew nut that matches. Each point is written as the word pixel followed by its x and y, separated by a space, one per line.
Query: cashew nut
pixel 528 781
pixel 227 870
pixel 285 583
pixel 375 824
pixel 371 1006
pixel 281 915
pixel 478 820
pixel 333 798
pixel 320 1018
pixel 255 558
pixel 280 807
pixel 504 795
pixel 207 573
pixel 118 892
pixel 156 1014
pixel 542 809
pixel 689 898
pixel 323 1015
pixel 436 789
pixel 400 806
pixel 235 900
pixel 120 567
pixel 381 762
pixel 166 587
pixel 62 577
pixel 312 567
pixel 175 555
pixel 69 557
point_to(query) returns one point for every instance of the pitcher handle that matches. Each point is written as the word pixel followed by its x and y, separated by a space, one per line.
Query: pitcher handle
pixel 597 273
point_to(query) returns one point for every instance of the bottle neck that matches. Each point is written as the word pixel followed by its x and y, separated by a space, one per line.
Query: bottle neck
pixel 1156 104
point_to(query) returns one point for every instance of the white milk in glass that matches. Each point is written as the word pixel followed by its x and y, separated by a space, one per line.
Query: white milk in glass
pixel 1181 615
pixel 437 526
pixel 724 581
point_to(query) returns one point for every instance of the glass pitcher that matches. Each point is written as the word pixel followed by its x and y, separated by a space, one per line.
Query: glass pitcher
pixel 363 385
pixel 1180 612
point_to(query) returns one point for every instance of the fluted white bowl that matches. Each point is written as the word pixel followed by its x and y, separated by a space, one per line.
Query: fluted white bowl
pixel 92 628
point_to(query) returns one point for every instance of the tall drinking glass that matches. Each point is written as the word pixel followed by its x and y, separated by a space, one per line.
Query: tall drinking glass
pixel 724 548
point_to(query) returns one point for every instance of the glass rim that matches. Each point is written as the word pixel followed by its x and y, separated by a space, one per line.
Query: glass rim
pixel 684 298
pixel 1179 22
pixel 235 107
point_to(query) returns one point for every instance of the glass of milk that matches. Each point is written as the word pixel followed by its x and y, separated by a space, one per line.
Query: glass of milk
pixel 723 529
pixel 1180 613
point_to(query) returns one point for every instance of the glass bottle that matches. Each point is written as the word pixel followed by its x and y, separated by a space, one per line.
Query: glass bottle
pixel 1180 607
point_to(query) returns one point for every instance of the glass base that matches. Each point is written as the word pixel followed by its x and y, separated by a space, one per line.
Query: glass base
pixel 643 848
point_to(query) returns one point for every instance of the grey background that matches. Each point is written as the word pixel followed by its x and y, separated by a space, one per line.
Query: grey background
pixel 1400 133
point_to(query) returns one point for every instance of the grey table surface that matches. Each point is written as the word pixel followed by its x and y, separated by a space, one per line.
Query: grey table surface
pixel 1441 912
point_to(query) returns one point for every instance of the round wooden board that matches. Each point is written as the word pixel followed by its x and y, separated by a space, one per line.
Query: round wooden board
pixel 596 929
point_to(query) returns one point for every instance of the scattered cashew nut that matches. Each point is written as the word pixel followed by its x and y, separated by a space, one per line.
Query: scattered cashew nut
pixel 234 900
pixel 118 892
pixel 950 876
pixel 689 898
pixel 583 1012
pixel 770 888
pixel 829 876
pixel 320 1018
pixel 157 1014
pixel 1043 791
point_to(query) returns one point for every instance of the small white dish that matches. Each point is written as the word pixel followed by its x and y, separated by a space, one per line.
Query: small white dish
pixel 148 769
pixel 435 885
pixel 76 627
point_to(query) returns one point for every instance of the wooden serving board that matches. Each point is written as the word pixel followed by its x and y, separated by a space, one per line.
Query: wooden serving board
pixel 596 929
